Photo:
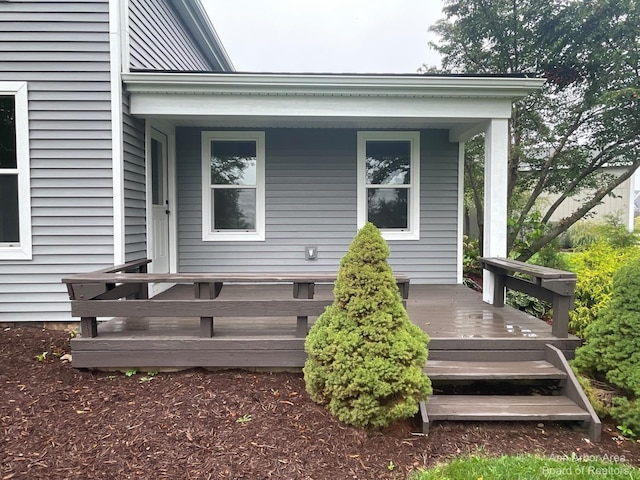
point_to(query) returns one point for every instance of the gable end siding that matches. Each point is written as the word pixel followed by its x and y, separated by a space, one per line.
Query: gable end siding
pixel 61 50
pixel 311 201
pixel 159 40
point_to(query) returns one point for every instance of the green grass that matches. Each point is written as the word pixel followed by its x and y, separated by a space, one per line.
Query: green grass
pixel 530 467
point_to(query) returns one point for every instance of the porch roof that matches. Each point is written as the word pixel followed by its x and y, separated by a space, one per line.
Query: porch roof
pixel 461 104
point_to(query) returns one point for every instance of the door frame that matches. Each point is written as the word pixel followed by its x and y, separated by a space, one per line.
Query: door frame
pixel 168 131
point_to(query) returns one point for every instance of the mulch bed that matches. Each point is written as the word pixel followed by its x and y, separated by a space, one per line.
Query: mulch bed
pixel 59 422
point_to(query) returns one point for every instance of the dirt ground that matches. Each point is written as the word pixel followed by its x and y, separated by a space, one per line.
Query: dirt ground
pixel 58 422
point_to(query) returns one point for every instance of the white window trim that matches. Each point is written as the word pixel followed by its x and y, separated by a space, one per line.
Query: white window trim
pixel 208 235
pixel 413 232
pixel 23 251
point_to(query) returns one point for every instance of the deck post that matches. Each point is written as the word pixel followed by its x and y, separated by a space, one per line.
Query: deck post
pixel 89 327
pixel 207 290
pixel 303 290
pixel 495 198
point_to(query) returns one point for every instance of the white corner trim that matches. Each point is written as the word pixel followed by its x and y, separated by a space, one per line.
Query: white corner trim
pixel 125 46
pixel 413 232
pixel 23 251
pixel 115 55
pixel 173 199
pixel 208 235
pixel 460 245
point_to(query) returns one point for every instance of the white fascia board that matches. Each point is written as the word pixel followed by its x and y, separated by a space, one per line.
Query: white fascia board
pixel 319 96
pixel 242 106
pixel 334 85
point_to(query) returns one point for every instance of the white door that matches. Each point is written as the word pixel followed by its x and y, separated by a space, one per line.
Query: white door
pixel 160 210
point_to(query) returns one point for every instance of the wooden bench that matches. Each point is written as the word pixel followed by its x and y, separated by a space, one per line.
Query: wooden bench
pixel 101 294
pixel 554 286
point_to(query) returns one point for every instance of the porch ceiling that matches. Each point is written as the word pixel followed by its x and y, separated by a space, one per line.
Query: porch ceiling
pixel 462 105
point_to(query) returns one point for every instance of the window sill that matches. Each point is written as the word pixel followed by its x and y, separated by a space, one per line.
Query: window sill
pixel 391 235
pixel 15 253
pixel 234 237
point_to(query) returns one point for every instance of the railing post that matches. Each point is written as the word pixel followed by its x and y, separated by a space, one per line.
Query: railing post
pixel 561 307
pixel 500 282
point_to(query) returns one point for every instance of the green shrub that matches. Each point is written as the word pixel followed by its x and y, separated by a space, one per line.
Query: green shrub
pixel 595 267
pixel 471 255
pixel 365 356
pixel 582 234
pixel 585 233
pixel 611 347
pixel 626 415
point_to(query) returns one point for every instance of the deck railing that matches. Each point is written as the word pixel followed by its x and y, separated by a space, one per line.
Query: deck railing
pixel 548 284
pixel 122 291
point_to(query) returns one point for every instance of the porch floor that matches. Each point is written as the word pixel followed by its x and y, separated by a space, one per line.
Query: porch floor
pixel 461 327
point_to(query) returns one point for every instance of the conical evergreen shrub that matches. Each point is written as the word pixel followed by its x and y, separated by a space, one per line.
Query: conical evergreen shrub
pixel 365 357
pixel 612 340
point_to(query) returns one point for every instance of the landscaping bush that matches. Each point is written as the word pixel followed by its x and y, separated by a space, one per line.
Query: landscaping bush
pixel 611 348
pixel 585 233
pixel 471 254
pixel 365 357
pixel 595 267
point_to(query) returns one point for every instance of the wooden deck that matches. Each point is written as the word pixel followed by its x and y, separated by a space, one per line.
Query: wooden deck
pixel 461 327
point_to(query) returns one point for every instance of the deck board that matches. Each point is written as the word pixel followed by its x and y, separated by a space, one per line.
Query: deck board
pixel 454 316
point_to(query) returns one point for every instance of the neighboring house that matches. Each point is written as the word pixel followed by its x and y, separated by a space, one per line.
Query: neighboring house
pixel 623 203
pixel 135 138
pixel 619 204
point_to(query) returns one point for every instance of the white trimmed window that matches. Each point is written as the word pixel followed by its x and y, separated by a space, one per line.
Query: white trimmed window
pixel 389 183
pixel 15 207
pixel 233 205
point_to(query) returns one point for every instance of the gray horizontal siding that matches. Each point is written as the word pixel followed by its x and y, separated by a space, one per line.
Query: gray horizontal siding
pixel 61 49
pixel 134 185
pixel 158 39
pixel 311 201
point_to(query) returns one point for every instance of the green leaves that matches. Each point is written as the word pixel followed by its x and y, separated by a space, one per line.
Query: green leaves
pixel 365 356
pixel 611 348
pixel 587 115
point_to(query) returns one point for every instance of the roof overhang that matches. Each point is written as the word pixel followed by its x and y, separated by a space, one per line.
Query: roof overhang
pixel 461 104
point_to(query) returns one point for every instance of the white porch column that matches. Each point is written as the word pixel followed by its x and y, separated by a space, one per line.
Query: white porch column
pixel 495 197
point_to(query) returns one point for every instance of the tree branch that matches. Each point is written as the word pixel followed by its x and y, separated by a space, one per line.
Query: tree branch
pixel 564 224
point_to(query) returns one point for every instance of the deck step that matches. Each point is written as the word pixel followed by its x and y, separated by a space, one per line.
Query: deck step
pixel 502 408
pixel 442 370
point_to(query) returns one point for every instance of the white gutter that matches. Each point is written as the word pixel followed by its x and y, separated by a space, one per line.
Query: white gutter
pixel 319 84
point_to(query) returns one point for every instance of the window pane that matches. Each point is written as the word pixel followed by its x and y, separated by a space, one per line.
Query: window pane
pixel 388 207
pixel 8 132
pixel 157 177
pixel 388 162
pixel 233 162
pixel 9 218
pixel 234 209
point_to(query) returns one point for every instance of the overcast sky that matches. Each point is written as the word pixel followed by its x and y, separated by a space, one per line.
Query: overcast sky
pixel 326 36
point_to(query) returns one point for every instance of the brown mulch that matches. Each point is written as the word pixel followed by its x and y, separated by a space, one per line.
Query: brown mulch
pixel 59 422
